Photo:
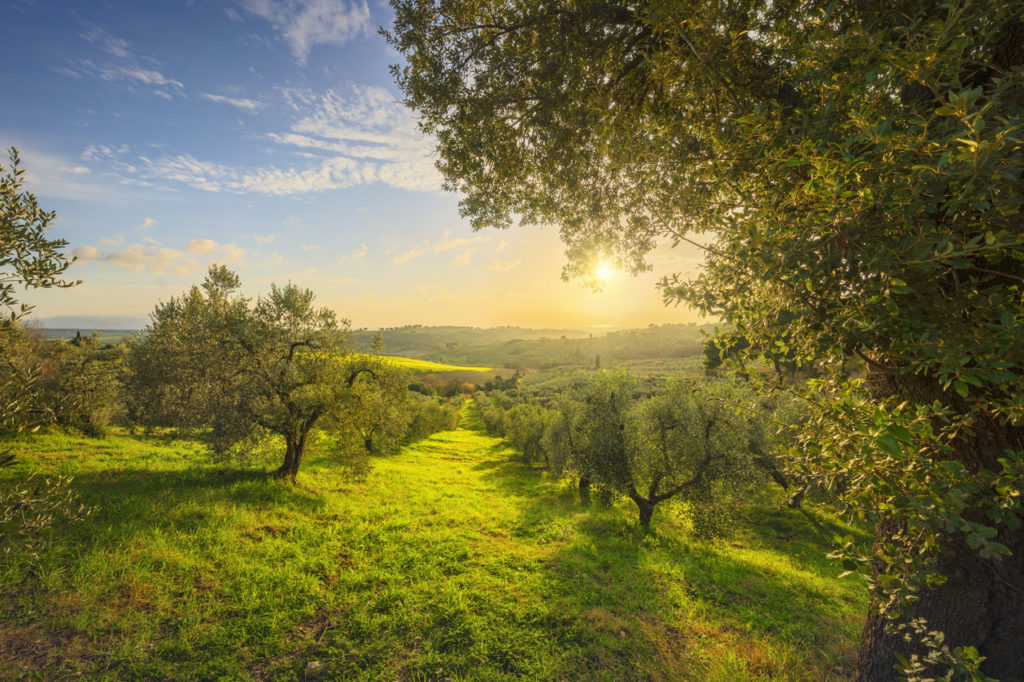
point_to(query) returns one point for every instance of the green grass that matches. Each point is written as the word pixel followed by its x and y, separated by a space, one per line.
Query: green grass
pixel 449 561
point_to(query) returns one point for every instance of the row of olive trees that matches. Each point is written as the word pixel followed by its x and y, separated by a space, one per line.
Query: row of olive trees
pixel 704 444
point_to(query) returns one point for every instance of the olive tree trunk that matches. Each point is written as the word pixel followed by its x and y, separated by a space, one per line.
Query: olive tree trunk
pixel 295 446
pixel 981 604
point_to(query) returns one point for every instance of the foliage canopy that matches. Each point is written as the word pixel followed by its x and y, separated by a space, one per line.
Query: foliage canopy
pixel 213 357
pixel 854 173
pixel 27 257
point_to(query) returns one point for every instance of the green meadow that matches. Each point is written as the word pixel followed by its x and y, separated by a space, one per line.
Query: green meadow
pixel 448 561
pixel 418 366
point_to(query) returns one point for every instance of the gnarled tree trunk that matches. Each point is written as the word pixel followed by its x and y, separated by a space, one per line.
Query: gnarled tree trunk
pixel 294 448
pixel 981 604
pixel 584 487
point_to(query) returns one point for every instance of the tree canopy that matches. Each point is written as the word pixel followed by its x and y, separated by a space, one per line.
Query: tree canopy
pixel 853 171
pixel 27 257
pixel 214 358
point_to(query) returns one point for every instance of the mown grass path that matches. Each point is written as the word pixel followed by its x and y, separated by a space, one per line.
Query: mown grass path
pixel 449 561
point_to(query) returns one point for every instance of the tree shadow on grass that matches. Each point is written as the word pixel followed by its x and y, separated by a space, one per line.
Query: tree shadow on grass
pixel 130 502
pixel 638 597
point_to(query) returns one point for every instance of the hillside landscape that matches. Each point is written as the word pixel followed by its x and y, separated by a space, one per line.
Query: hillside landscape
pixel 476 340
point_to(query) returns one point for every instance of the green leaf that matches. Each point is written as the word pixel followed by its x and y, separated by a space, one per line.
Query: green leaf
pixel 960 388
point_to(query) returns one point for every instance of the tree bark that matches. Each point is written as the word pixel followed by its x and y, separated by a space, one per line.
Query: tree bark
pixel 294 448
pixel 646 510
pixel 584 489
pixel 285 470
pixel 981 604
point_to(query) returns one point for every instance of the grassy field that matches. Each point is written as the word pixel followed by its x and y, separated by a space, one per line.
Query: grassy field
pixel 418 366
pixel 449 561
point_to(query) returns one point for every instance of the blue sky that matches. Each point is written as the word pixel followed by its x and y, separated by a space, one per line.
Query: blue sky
pixel 268 135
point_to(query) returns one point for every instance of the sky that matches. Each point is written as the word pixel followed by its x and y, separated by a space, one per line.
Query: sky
pixel 266 135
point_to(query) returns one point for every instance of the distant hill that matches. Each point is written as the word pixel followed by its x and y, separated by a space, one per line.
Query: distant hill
pixel 105 335
pixel 539 348
pixel 91 322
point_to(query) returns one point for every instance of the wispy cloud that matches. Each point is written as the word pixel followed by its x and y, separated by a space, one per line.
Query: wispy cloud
pixel 122 64
pixel 133 73
pixel 368 126
pixel 263 238
pixel 463 258
pixel 49 175
pixel 408 256
pixel 504 265
pixel 243 103
pixel 305 23
pixel 355 255
pixel 113 45
pixel 447 242
pixel 363 137
pixel 147 223
pixel 501 246
pixel 138 258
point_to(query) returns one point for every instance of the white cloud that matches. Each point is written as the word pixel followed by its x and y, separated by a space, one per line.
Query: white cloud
pixel 263 238
pixel 368 125
pixel 250 105
pixel 504 265
pixel 147 223
pixel 122 64
pixel 272 262
pixel 305 23
pixel 52 176
pixel 201 246
pixel 447 242
pixel 134 73
pixel 138 258
pixel 408 255
pixel 355 255
pixel 108 43
pixel 114 241
pixel 362 138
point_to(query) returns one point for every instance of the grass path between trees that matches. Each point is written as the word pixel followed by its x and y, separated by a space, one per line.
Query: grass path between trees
pixel 449 561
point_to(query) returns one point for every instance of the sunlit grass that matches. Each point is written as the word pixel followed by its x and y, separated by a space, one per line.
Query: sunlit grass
pixel 426 366
pixel 451 560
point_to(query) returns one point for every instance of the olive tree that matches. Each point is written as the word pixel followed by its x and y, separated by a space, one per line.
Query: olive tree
pixel 28 259
pixel 524 427
pixel 687 443
pixel 853 172
pixel 381 409
pixel 214 358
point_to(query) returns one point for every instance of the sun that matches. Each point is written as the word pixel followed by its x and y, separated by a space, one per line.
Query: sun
pixel 603 271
